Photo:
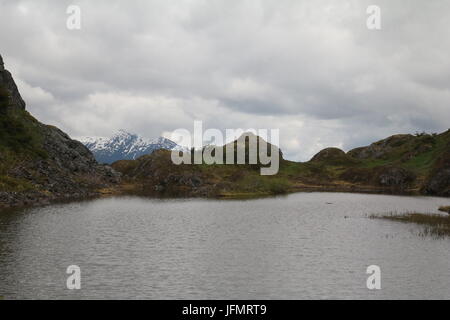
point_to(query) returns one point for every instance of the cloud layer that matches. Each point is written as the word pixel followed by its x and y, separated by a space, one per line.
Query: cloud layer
pixel 310 68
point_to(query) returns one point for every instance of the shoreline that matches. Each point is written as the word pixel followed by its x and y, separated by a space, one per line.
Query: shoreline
pixel 136 190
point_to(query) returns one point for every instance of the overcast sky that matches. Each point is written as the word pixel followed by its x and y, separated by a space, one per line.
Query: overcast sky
pixel 310 68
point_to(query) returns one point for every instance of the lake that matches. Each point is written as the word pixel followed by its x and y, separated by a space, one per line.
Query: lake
pixel 299 246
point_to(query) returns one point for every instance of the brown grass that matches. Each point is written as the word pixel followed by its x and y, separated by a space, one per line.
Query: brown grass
pixel 433 224
pixel 445 209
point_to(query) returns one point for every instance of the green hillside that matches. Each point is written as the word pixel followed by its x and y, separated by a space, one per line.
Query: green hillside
pixel 401 164
pixel 20 141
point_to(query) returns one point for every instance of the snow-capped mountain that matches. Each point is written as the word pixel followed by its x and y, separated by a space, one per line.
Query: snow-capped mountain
pixel 125 146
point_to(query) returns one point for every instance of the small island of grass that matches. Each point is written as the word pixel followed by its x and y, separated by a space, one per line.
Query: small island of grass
pixel 435 225
pixel 445 209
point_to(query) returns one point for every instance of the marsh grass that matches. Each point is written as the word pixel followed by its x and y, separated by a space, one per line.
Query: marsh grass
pixel 434 225
pixel 445 209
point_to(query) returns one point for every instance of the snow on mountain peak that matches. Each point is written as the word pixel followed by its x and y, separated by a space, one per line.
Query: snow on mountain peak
pixel 124 145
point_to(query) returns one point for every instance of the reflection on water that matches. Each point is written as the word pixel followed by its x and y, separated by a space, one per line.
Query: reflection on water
pixel 305 245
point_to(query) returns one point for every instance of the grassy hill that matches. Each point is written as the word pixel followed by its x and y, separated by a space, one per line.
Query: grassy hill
pixel 20 141
pixel 401 164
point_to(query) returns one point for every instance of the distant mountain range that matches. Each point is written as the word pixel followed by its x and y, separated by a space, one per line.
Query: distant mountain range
pixel 125 146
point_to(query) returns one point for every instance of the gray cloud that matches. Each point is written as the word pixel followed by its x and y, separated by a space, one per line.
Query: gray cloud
pixel 312 69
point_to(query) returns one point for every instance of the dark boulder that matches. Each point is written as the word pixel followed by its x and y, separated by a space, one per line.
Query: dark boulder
pixel 438 181
pixel 385 176
pixel 394 177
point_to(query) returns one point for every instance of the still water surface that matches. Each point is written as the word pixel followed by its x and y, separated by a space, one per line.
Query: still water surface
pixel 300 246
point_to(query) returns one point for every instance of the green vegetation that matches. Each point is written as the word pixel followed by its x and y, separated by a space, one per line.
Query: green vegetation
pixel 253 183
pixel 398 164
pixel 19 141
pixel 416 153
pixel 17 185
pixel 434 225
pixel 18 129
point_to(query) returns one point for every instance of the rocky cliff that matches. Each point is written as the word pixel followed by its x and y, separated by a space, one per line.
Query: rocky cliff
pixel 7 82
pixel 438 181
pixel 40 163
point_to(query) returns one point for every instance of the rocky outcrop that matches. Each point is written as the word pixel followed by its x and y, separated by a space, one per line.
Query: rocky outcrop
pixel 69 167
pixel 386 176
pixel 379 149
pixel 328 154
pixel 160 176
pixel 394 177
pixel 7 82
pixel 333 156
pixel 438 182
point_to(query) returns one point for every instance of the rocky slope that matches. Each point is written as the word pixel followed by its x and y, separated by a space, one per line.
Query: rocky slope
pixel 124 146
pixel 418 162
pixel 40 163
pixel 438 180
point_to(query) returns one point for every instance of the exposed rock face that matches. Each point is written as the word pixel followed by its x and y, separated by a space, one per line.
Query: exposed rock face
pixel 70 167
pixel 63 168
pixel 439 183
pixel 392 177
pixel 439 179
pixel 7 82
pixel 379 149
